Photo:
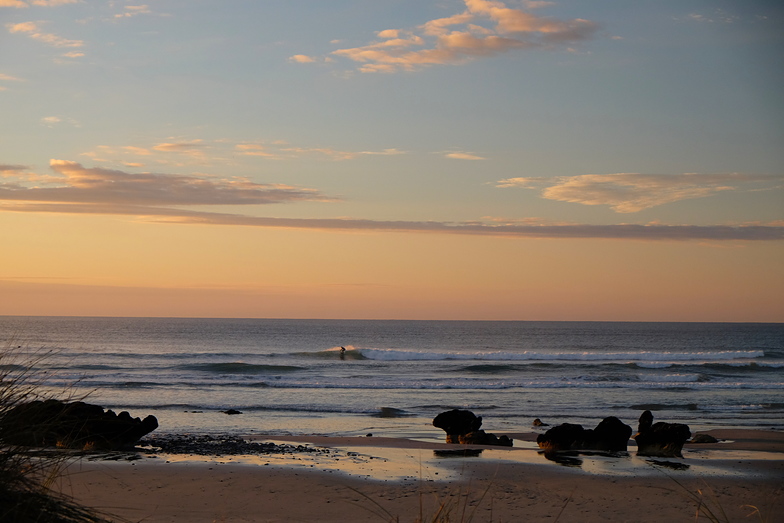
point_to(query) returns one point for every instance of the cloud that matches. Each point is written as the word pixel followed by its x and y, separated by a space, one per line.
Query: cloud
pixel 32 30
pixel 302 59
pixel 718 16
pixel 12 170
pixel 53 121
pixel 463 156
pixel 337 155
pixel 134 10
pixel 179 147
pixel 632 192
pixel 76 189
pixel 141 151
pixel 180 152
pixel 521 230
pixel 484 28
pixel 50 121
pixel 8 78
pixel 104 188
pixel 51 3
pixel 13 3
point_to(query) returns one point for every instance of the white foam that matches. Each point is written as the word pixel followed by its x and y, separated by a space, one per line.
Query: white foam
pixel 647 357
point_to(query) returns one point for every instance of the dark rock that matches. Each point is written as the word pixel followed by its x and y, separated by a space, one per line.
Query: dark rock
pixel 539 423
pixel 480 437
pixel 610 435
pixel 660 439
pixel 456 422
pixel 462 426
pixel 221 445
pixel 232 412
pixel 76 425
pixel 566 436
pixel 703 438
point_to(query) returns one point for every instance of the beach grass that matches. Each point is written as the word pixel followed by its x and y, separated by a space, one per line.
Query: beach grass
pixel 708 504
pixel 27 477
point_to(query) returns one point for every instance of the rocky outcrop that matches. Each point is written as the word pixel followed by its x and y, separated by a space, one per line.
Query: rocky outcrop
pixel 463 426
pixel 457 422
pixel 75 425
pixel 660 439
pixel 610 435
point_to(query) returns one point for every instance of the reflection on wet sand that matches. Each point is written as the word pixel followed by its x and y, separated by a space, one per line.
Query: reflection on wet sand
pixel 460 453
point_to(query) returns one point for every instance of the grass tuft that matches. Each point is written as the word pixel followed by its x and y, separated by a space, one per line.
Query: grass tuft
pixel 26 477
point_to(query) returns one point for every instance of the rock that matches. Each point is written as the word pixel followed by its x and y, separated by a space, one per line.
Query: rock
pixel 539 423
pixel 566 436
pixel 75 425
pixel 703 438
pixel 456 422
pixel 480 437
pixel 610 435
pixel 232 412
pixel 660 439
pixel 462 426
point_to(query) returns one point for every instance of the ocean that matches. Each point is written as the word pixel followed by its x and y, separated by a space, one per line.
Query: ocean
pixel 290 376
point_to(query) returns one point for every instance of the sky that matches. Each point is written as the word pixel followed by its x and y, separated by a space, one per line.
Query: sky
pixel 393 159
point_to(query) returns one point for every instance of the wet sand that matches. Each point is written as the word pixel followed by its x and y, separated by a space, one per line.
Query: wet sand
pixel 380 479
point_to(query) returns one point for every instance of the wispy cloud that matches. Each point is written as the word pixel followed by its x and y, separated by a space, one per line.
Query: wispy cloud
pixel 32 30
pixel 717 16
pixel 334 154
pixel 12 170
pixel 177 151
pixel 770 232
pixel 302 59
pixel 53 121
pixel 13 3
pixel 40 3
pixel 7 78
pixel 191 147
pixel 53 3
pixel 75 189
pixel 461 155
pixel 632 192
pixel 134 10
pixel 104 188
pixel 484 28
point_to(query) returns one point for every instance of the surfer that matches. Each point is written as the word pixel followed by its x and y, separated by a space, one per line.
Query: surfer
pixel 342 353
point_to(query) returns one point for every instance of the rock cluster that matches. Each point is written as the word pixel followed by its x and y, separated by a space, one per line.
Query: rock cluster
pixel 664 440
pixel 76 425
pixel 221 445
pixel 463 426
pixel 610 435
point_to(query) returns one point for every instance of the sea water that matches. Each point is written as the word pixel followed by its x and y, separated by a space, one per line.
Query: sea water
pixel 291 376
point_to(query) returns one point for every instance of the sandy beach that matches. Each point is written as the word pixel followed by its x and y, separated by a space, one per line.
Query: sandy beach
pixel 381 479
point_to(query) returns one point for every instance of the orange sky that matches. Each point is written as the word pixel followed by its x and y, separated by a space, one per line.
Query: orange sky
pixel 113 267
pixel 444 159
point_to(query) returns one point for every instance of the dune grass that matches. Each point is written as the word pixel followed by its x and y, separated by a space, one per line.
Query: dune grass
pixel 27 477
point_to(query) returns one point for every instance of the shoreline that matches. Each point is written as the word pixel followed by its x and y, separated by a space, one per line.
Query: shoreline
pixel 361 477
